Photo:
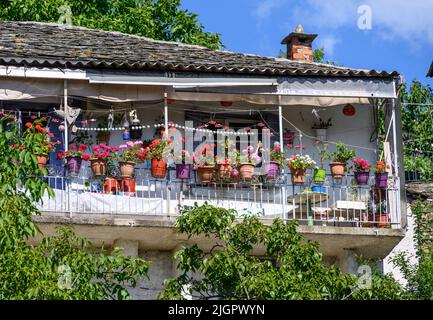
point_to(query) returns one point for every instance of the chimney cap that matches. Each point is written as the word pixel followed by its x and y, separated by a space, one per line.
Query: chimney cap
pixel 300 33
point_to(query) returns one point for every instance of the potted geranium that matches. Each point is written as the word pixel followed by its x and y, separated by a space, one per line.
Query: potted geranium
pixel 381 175
pixel 248 161
pixel 131 154
pixel 277 160
pixel 74 157
pixel 298 165
pixel 361 169
pixel 98 160
pixel 158 149
pixel 339 159
pixel 229 161
pixel 183 165
pixel 204 161
pixel 40 138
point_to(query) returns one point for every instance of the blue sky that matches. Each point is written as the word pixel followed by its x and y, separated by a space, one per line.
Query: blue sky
pixel 400 38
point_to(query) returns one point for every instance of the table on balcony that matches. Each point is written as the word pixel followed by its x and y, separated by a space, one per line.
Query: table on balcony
pixel 308 198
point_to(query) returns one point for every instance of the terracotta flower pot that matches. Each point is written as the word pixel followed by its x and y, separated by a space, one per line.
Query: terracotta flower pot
pixel 158 168
pixel 246 171
pixel 99 167
pixel 111 185
pixel 361 177
pixel 224 171
pixel 205 173
pixel 378 220
pixel 127 186
pixel 73 164
pixel 42 160
pixel 126 169
pixel 298 176
pixel 338 169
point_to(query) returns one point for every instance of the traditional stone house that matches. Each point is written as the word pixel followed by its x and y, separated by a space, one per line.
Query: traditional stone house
pixel 91 76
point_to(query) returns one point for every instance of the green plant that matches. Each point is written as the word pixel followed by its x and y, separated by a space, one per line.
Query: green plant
pixel 38 135
pixel 277 155
pixel 300 162
pixel 341 154
pixel 160 148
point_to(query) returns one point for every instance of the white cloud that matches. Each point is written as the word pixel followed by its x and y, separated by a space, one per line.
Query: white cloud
pixel 393 20
pixel 328 43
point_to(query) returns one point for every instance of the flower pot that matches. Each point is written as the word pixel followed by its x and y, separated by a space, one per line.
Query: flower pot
pixel 298 176
pixel 111 185
pixel 126 169
pixel 379 221
pixel 320 189
pixel 159 168
pixel 381 180
pixel 127 186
pixel 205 174
pixel 183 171
pixel 338 169
pixel 246 171
pixel 272 169
pixel 99 167
pixel 42 160
pixel 224 171
pixel 321 134
pixel 319 175
pixel 73 164
pixel 361 177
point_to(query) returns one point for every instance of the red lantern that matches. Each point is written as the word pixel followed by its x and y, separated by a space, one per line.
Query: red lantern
pixel 170 101
pixel 226 103
pixel 349 110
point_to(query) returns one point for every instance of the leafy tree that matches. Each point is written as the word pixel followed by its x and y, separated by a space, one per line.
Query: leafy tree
pixel 419 276
pixel 61 267
pixel 156 19
pixel 290 268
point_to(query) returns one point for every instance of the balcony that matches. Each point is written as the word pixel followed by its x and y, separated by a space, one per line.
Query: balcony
pixel 335 203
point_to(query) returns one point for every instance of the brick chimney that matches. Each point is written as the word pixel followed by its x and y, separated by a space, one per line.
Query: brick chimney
pixel 299 45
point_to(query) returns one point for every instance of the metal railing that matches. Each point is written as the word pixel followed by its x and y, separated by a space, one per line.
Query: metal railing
pixel 332 203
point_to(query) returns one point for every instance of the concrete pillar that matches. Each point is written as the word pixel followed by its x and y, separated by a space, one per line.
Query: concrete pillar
pixel 130 247
pixel 347 263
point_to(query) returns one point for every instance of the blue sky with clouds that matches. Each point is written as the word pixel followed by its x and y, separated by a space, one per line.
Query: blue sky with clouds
pixel 400 38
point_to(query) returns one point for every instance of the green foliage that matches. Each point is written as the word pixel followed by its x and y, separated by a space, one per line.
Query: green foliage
pixel 289 267
pixel 419 276
pixel 319 55
pixel 156 19
pixel 28 272
pixel 341 154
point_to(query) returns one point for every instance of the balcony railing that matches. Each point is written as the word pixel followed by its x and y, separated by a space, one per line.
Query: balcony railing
pixel 334 203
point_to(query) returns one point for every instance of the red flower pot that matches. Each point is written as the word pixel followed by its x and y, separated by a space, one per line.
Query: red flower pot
pixel 159 168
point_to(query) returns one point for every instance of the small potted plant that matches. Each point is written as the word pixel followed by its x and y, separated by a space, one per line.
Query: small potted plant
pixel 361 169
pixel 98 160
pixel 74 157
pixel 131 154
pixel 381 175
pixel 298 165
pixel 322 128
pixel 277 160
pixel 183 165
pixel 40 138
pixel 248 161
pixel 159 151
pixel 204 161
pixel 288 137
pixel 319 175
pixel 339 159
pixel 228 162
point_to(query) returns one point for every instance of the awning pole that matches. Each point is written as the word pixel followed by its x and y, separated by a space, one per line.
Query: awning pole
pixel 396 167
pixel 65 103
pixel 284 214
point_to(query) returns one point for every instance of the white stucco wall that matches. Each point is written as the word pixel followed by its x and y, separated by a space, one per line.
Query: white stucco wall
pixel 407 244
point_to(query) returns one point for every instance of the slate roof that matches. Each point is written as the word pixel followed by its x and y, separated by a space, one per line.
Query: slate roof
pixel 36 44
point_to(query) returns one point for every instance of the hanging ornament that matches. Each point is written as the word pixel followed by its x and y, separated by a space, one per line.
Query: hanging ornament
pixel 226 103
pixel 62 127
pixel 126 135
pixel 74 129
pixel 135 132
pixel 349 110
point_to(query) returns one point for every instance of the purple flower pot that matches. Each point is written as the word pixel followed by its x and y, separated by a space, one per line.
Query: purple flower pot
pixel 381 180
pixel 183 171
pixel 362 177
pixel 272 169
pixel 73 164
